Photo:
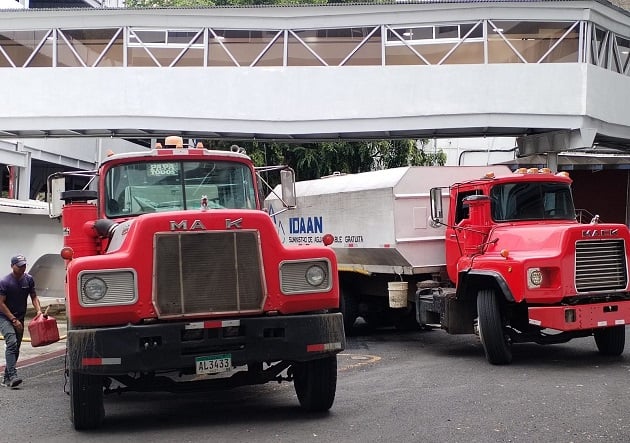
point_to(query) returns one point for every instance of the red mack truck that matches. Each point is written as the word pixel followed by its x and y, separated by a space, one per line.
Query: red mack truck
pixel 502 256
pixel 177 281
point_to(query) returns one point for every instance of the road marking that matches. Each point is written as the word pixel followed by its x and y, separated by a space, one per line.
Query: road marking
pixel 359 360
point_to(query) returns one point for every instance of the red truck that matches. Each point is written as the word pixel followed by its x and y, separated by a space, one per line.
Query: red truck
pixel 524 269
pixel 177 281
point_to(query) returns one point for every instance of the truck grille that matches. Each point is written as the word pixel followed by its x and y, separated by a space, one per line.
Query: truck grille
pixel 600 265
pixel 208 272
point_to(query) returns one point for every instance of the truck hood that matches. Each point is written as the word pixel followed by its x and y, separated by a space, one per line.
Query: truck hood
pixel 547 239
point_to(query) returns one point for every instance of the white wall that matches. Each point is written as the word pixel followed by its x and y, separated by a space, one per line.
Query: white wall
pixel 308 99
pixel 474 151
pixel 28 234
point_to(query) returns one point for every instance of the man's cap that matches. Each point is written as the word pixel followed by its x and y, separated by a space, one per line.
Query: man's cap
pixel 18 260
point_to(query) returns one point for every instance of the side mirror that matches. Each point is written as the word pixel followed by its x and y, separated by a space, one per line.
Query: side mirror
pixel 437 214
pixel 287 182
pixel 56 185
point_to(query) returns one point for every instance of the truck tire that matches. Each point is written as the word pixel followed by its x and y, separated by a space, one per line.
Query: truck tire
pixel 611 341
pixel 86 401
pixel 496 345
pixel 315 383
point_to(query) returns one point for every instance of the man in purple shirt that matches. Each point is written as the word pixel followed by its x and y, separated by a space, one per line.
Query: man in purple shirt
pixel 14 291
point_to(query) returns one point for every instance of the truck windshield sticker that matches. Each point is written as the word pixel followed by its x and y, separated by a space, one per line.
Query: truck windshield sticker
pixel 162 169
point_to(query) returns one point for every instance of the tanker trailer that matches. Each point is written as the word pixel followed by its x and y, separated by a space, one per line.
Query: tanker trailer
pixel 381 231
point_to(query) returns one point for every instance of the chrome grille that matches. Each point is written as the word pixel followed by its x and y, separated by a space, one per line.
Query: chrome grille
pixel 208 272
pixel 600 265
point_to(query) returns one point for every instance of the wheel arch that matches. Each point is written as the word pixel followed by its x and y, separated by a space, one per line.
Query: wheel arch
pixel 470 282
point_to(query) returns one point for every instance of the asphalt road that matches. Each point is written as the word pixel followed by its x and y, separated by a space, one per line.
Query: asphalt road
pixel 392 387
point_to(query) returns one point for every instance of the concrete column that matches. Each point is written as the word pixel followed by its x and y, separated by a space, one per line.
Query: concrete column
pixel 552 161
pixel 24 175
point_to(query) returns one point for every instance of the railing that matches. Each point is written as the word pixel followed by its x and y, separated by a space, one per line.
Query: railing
pixel 475 42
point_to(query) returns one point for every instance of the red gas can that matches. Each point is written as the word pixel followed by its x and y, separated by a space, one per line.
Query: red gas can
pixel 43 330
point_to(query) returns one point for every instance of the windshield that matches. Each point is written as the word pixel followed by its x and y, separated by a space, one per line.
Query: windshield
pixel 140 188
pixel 532 201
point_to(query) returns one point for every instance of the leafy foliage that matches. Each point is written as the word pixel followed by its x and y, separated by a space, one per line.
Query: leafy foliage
pixel 315 160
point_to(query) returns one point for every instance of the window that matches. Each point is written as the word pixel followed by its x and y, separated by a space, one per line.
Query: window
pixel 462 211
pixel 532 201
pixel 140 188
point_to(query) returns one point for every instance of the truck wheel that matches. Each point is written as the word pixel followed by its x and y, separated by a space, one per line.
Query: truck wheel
pixel 349 307
pixel 86 401
pixel 611 341
pixel 315 383
pixel 495 343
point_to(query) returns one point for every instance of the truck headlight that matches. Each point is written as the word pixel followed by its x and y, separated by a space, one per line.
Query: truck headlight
pixel 304 276
pixel 95 288
pixel 534 278
pixel 107 287
pixel 315 275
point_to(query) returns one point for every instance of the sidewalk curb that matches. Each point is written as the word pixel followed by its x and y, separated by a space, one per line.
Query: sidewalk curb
pixel 37 359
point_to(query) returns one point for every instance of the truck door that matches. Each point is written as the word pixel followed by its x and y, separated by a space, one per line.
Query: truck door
pixel 454 241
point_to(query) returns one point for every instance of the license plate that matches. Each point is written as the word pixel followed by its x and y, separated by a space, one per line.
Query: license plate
pixel 213 364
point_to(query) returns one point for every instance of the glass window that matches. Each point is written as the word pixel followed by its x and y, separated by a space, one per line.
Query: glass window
pixel 91 45
pixel 139 188
pixel 462 211
pixel 244 46
pixel 147 37
pixel 623 54
pixel 447 32
pixel 335 45
pixel 20 46
pixel 532 42
pixel 532 201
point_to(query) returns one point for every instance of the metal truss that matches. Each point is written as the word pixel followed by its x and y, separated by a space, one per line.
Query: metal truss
pixel 474 42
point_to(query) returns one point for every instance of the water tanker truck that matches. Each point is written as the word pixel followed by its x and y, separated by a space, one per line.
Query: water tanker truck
pixel 472 250
pixel 177 281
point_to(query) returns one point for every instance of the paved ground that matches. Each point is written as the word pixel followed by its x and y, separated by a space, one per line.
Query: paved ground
pixel 30 355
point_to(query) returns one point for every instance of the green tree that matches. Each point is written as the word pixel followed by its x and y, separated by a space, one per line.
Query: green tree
pixel 315 160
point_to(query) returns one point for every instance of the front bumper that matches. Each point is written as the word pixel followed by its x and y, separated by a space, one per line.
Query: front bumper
pixel 580 317
pixel 174 346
